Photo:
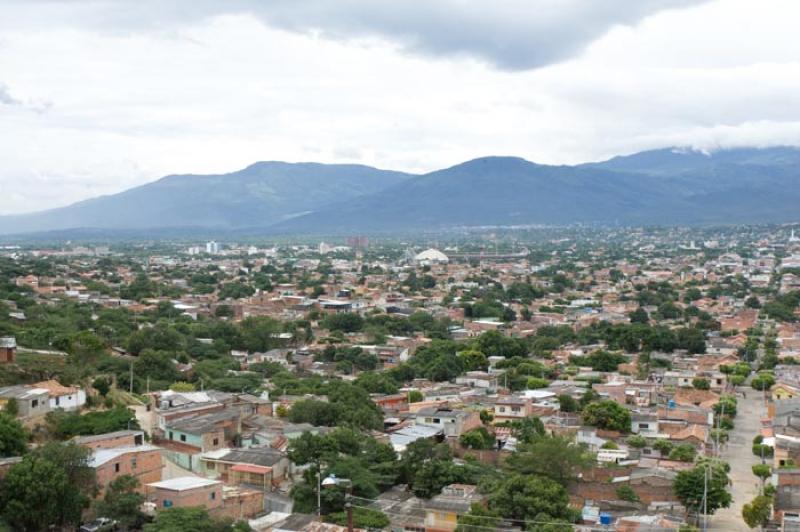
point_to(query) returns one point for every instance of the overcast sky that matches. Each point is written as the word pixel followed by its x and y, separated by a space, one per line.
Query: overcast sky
pixel 97 96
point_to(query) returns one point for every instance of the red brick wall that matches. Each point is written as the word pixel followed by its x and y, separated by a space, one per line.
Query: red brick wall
pixel 195 497
pixel 127 440
pixel 148 469
pixel 242 506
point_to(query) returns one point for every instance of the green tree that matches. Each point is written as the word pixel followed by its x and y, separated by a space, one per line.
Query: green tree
pixel 364 518
pixel 762 381
pixel 757 512
pixel 556 457
pixel 607 415
pixel 639 316
pixel 192 519
pixel 700 383
pixel 762 471
pixel 605 361
pixel 13 436
pixel 663 446
pixel 752 302
pixel 684 452
pixel 478 519
pixel 122 502
pixel 157 365
pixel 415 396
pixel 102 385
pixel 689 486
pixel 474 360
pixel 37 484
pixel 53 472
pixel 479 438
pixel 532 498
pixel 567 403
pixel 11 408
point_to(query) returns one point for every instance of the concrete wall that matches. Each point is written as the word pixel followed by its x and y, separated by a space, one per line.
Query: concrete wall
pixel 69 402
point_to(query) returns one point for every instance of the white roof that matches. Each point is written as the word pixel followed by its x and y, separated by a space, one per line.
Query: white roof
pixel 194 397
pixel 217 454
pixel 431 255
pixel 406 435
pixel 102 456
pixel 184 483
pixel 538 394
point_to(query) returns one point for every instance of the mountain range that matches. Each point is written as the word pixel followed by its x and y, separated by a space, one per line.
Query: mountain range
pixel 666 187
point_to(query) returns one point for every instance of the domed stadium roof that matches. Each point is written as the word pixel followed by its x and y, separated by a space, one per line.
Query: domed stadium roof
pixel 431 255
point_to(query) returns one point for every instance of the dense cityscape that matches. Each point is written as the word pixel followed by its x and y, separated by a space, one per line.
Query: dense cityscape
pixel 536 379
pixel 374 265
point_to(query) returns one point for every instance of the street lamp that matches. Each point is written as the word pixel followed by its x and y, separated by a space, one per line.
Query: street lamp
pixel 333 481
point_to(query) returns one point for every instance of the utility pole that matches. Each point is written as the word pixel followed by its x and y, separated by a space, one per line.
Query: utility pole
pixel 705 499
pixel 131 379
pixel 319 489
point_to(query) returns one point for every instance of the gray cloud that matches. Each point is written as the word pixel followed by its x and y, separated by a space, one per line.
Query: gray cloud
pixel 508 34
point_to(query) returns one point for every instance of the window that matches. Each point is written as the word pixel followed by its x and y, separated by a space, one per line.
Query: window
pixel 58 401
pixel 213 495
pixel 502 409
pixel 183 437
pixel 133 463
pixel 116 467
pixel 515 409
pixel 170 436
pixel 216 441
pixel 34 403
pixel 211 465
pixel 644 426
pixel 167 503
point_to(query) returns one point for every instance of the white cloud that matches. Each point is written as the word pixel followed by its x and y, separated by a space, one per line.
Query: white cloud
pixel 138 94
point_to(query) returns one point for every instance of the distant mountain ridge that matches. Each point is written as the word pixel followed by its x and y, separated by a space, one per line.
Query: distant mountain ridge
pixel 668 186
pixel 260 195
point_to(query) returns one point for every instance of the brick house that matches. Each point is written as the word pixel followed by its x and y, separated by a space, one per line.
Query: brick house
pixel 184 492
pixel 141 461
pixel 109 440
pixel 8 349
pixel 260 467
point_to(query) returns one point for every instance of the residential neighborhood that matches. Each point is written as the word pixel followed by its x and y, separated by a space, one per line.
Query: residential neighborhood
pixel 296 387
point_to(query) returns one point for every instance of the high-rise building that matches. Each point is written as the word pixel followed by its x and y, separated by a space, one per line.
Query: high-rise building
pixel 212 247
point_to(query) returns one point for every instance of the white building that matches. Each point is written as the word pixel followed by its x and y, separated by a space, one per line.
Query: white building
pixel 431 256
pixel 64 397
pixel 212 248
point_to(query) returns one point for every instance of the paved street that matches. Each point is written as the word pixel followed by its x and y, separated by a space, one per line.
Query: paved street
pixel 739 455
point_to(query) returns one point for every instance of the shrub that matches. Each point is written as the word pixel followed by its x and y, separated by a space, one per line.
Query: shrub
pixel 637 441
pixel 627 493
